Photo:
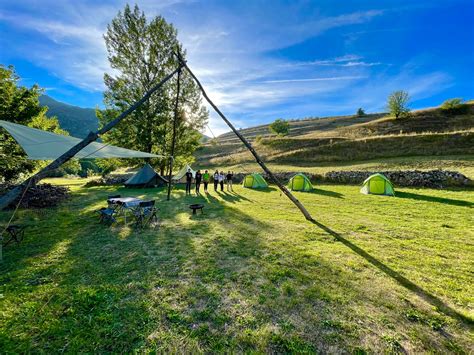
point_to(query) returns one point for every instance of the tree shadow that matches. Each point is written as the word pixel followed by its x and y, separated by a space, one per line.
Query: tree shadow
pixel 233 197
pixel 402 280
pixel 326 193
pixel 419 197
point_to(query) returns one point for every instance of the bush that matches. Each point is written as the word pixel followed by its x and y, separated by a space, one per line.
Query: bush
pixel 280 127
pixel 360 112
pixel 454 106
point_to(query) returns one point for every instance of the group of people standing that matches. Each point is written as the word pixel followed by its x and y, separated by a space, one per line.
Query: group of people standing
pixel 206 178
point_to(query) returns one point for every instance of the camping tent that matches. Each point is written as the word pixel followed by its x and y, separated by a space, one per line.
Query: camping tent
pixel 377 184
pixel 254 181
pixel 180 176
pixel 146 177
pixel 300 182
pixel 43 145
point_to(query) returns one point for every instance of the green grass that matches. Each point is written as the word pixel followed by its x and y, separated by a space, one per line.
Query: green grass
pixel 249 275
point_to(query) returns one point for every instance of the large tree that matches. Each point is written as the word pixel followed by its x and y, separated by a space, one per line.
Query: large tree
pixel 140 53
pixel 20 104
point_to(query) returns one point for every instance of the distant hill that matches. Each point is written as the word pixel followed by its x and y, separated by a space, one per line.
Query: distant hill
pixel 76 120
pixel 426 132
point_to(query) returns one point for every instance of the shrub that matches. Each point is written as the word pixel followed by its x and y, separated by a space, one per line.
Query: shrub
pixel 398 103
pixel 360 112
pixel 454 106
pixel 280 127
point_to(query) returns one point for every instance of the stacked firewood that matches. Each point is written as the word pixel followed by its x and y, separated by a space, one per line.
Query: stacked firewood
pixel 39 196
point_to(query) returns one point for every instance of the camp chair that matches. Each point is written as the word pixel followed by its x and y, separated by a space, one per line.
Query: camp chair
pixel 14 233
pixel 107 215
pixel 111 204
pixel 145 213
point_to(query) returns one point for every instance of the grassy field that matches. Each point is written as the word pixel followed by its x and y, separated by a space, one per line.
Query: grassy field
pixel 378 274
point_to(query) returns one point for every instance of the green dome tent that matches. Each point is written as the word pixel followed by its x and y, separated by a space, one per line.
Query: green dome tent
pixel 146 177
pixel 300 182
pixel 254 181
pixel 377 184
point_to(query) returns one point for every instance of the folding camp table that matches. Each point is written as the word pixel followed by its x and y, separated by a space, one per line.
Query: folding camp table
pixel 125 204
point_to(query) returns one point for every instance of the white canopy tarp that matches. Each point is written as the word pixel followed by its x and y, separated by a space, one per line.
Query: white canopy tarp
pixel 180 174
pixel 43 145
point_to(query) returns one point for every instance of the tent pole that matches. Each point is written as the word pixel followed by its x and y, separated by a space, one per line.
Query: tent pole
pixel 259 160
pixel 173 142
pixel 11 195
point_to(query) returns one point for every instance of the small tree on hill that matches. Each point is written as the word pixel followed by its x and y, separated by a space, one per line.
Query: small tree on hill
pixel 280 127
pixel 360 112
pixel 454 106
pixel 398 103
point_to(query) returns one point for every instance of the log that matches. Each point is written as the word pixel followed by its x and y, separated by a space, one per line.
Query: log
pixel 10 196
pixel 282 187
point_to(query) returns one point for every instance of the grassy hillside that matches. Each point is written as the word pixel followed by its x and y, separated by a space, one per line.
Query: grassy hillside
pixel 77 121
pixel 249 275
pixel 347 139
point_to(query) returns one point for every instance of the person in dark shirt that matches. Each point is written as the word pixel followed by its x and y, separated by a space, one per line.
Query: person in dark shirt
pixel 197 180
pixel 216 180
pixel 228 179
pixel 189 180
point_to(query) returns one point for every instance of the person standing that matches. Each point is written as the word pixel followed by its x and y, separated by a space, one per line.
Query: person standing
pixel 197 180
pixel 221 180
pixel 228 178
pixel 189 180
pixel 205 179
pixel 216 180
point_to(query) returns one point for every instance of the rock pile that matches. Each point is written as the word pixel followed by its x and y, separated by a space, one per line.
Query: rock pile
pixel 109 180
pixel 39 196
pixel 434 178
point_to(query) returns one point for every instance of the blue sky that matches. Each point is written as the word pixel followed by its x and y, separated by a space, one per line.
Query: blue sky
pixel 261 60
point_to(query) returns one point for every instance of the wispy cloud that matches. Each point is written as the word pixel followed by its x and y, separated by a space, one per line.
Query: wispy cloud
pixel 235 49
pixel 334 78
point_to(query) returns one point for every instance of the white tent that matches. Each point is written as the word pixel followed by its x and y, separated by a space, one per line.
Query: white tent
pixel 43 145
pixel 180 176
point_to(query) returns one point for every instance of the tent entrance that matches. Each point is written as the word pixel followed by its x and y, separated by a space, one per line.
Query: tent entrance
pixel 248 181
pixel 298 183
pixel 377 186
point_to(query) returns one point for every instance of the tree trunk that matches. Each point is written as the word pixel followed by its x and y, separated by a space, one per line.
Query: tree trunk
pixel 173 139
pixel 10 196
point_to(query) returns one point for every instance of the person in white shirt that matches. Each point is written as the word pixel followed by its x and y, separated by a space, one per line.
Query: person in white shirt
pixel 216 180
pixel 221 180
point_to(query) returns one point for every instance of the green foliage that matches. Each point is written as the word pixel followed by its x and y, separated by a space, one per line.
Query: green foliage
pixel 398 103
pixel 139 50
pixel 258 138
pixel 454 106
pixel 360 112
pixel 20 105
pixel 280 127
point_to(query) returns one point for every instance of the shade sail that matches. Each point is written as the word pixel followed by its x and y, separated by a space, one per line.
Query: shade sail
pixel 43 145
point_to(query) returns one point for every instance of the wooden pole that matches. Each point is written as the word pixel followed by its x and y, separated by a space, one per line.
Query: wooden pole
pixel 10 196
pixel 173 142
pixel 249 147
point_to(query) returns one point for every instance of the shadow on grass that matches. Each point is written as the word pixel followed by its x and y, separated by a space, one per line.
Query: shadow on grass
pixel 427 198
pixel 326 193
pixel 425 295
